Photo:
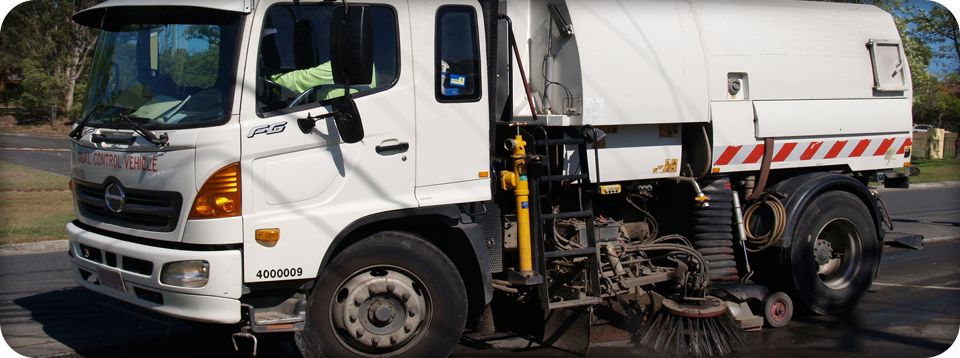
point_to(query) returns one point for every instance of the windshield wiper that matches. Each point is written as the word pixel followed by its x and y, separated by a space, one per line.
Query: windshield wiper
pixel 161 141
pixel 77 133
pixel 148 135
pixel 152 138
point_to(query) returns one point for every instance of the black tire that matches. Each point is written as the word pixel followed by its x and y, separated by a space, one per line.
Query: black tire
pixel 777 309
pixel 383 278
pixel 834 254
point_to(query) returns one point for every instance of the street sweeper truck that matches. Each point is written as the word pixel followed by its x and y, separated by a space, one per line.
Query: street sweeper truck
pixel 381 178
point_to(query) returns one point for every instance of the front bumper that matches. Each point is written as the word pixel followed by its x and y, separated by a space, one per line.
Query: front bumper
pixel 140 265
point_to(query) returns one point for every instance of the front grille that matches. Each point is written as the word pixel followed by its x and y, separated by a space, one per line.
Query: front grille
pixel 144 209
pixel 90 253
pixel 137 265
pixel 148 295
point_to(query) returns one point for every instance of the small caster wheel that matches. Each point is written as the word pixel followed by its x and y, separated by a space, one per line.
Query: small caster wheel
pixel 777 309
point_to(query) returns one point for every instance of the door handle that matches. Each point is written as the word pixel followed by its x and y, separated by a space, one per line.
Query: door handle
pixel 400 147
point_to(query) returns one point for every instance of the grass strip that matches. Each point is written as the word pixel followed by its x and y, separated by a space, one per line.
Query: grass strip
pixel 18 177
pixel 34 216
pixel 936 170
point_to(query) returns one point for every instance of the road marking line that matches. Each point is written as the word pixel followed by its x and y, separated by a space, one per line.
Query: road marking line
pixel 912 286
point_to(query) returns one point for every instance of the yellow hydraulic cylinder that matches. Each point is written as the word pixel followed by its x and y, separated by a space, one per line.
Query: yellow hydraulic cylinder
pixel 516 180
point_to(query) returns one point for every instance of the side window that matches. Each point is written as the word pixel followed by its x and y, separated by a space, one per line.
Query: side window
pixel 294 59
pixel 457 55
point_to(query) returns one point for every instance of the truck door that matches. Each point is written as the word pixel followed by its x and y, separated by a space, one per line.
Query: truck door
pixel 312 185
pixel 452 109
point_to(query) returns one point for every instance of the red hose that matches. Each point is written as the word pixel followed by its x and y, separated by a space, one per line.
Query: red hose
pixel 523 77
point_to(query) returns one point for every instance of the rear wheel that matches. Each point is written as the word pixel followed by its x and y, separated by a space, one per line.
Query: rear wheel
pixel 834 254
pixel 392 294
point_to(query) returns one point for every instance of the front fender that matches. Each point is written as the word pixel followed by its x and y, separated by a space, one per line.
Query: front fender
pixel 449 214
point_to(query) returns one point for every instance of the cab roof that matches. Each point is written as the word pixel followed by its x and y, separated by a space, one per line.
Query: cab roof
pixel 93 16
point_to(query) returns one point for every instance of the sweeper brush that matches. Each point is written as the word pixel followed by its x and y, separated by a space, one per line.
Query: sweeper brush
pixel 693 328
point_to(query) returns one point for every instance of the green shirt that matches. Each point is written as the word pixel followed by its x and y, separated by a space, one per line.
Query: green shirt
pixel 302 80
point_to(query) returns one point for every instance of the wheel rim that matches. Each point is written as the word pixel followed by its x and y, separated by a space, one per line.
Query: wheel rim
pixel 778 310
pixel 837 253
pixel 380 310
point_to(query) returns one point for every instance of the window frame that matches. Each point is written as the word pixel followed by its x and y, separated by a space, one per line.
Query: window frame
pixel 189 16
pixel 477 67
pixel 324 103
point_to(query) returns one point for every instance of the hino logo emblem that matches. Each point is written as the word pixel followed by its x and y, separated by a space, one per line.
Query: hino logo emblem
pixel 268 129
pixel 114 198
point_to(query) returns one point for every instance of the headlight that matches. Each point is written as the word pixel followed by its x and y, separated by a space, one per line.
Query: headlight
pixel 194 273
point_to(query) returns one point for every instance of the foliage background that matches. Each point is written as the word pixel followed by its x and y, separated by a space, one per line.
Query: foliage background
pixel 49 54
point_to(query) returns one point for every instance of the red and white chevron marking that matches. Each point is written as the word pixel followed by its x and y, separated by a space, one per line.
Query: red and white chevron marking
pixel 816 150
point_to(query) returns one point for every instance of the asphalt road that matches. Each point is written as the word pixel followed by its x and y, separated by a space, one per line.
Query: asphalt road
pixel 10 140
pixel 913 309
pixel 934 213
pixel 53 156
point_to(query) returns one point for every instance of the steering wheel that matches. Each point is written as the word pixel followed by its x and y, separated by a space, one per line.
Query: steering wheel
pixel 273 90
pixel 302 97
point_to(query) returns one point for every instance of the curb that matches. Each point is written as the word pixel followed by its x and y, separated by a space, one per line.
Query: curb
pixel 942 184
pixel 935 185
pixel 34 248
pixel 940 239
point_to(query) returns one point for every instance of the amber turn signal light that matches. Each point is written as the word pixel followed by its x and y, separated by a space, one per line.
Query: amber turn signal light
pixel 268 237
pixel 219 197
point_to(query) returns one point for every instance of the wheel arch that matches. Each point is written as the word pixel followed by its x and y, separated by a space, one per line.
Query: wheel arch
pixel 801 190
pixel 444 226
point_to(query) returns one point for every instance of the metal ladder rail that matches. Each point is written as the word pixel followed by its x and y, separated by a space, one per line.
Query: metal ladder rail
pixel 585 212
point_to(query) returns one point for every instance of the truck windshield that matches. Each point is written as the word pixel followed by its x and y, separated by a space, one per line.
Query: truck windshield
pixel 162 75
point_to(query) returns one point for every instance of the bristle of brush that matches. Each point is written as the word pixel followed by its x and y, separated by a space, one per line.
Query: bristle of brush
pixel 689 336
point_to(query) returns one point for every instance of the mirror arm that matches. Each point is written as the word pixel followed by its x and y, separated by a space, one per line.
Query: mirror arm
pixel 307 124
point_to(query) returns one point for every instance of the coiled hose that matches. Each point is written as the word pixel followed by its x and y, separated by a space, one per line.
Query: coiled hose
pixel 760 243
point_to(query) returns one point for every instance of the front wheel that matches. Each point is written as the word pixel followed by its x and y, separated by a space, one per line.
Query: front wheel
pixel 834 254
pixel 392 294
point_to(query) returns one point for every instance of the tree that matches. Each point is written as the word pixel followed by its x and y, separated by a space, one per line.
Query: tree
pixel 937 101
pixel 936 95
pixel 938 29
pixel 41 42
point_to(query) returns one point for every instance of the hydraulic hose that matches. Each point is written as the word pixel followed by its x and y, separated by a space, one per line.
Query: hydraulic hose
pixel 760 243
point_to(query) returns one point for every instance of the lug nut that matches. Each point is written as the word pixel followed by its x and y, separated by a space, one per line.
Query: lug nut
pixel 391 287
pixel 405 296
pixel 407 328
pixel 375 340
pixel 413 312
pixel 353 317
pixel 357 301
pixel 359 334
pixel 393 340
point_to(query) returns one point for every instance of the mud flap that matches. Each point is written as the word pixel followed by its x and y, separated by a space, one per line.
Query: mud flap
pixel 568 329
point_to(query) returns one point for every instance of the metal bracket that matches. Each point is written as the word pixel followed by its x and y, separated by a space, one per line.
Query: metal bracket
pixel 244 333
pixel 517 279
pixel 909 241
pixel 741 291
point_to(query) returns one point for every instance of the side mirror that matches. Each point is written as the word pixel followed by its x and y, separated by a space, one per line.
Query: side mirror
pixel 351 45
pixel 348 120
pixel 345 115
pixel 351 61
